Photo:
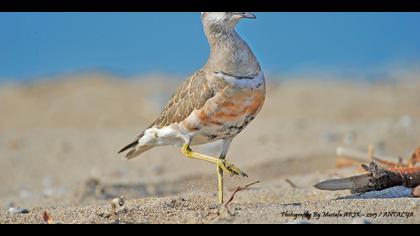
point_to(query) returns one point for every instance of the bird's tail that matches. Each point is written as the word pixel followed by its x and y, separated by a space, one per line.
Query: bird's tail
pixel 136 149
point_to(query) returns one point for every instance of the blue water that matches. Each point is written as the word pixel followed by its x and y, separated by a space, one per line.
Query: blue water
pixel 34 45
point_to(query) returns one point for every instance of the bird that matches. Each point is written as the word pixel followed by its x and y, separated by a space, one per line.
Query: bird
pixel 215 103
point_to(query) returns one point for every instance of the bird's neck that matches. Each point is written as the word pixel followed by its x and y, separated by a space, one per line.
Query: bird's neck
pixel 229 53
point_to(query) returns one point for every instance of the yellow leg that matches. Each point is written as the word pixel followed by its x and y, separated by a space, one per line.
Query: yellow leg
pixel 220 184
pixel 226 166
pixel 222 165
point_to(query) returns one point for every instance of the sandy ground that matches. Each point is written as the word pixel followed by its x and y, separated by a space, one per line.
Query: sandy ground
pixel 58 144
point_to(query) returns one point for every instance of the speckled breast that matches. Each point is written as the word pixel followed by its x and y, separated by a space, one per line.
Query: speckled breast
pixel 227 114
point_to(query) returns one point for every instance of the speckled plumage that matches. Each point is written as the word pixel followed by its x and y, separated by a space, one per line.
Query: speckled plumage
pixel 216 102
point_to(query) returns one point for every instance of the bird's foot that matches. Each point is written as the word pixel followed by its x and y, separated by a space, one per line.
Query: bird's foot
pixel 221 163
pixel 232 169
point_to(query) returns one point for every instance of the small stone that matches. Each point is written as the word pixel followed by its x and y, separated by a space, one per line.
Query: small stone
pixel 15 211
pixel 117 202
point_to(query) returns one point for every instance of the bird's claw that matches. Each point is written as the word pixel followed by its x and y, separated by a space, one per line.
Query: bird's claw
pixel 232 169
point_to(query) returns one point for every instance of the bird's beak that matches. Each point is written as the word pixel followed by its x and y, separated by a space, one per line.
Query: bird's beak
pixel 247 15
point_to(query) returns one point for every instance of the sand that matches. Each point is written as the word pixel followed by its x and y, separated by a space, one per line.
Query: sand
pixel 59 138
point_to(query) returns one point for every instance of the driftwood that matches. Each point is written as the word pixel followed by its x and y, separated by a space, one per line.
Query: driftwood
pixel 381 174
pixel 377 179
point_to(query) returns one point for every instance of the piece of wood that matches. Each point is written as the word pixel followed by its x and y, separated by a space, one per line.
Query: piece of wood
pixel 381 178
pixel 293 185
pixel 389 175
pixel 377 179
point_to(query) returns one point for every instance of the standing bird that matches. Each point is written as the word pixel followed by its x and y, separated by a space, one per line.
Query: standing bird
pixel 216 103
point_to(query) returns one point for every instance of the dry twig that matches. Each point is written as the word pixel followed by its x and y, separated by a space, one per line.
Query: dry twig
pixel 293 185
pixel 377 179
pixel 358 157
pixel 238 189
pixel 389 174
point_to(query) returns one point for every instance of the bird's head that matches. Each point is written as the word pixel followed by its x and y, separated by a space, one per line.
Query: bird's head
pixel 224 20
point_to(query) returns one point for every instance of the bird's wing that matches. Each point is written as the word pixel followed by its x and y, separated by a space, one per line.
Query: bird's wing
pixel 191 95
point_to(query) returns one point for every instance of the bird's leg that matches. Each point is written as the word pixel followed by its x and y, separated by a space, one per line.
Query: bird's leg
pixel 220 184
pixel 220 190
pixel 226 166
pixel 222 165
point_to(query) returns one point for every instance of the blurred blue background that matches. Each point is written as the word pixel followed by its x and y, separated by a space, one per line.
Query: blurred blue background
pixel 42 44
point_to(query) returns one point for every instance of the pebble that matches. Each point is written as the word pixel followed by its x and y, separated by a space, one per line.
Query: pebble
pixel 15 211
